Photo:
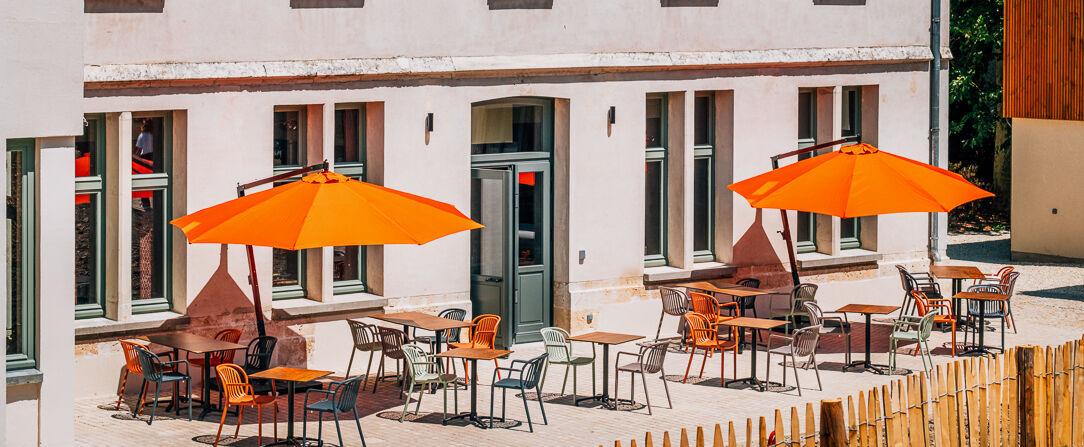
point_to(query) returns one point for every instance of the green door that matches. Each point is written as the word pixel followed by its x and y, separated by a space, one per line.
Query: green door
pixel 492 247
pixel 532 301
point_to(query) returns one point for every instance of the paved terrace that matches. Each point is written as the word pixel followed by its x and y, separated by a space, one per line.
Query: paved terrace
pixel 1049 306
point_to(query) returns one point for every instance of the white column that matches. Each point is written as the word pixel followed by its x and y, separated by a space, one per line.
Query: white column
pixel 829 128
pixel 118 216
pixel 724 175
pixel 679 180
pixel 374 173
pixel 179 200
pixel 317 271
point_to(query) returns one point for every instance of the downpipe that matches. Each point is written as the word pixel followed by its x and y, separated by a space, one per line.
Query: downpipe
pixel 935 119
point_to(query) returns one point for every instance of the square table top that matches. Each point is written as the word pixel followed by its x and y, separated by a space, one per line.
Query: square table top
pixel 985 296
pixel 289 374
pixel 474 353
pixel 752 323
pixel 956 272
pixel 725 288
pixel 606 338
pixel 196 344
pixel 422 321
pixel 868 309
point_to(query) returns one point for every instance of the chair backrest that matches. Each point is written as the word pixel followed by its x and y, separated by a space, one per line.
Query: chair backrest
pixel 452 335
pixel 556 342
pixel 673 301
pixel 800 294
pixel 906 279
pixel 131 357
pixel 391 342
pixel 364 334
pixel 227 335
pixel 1004 271
pixel 804 341
pixel 1008 283
pixel 484 330
pixel 346 393
pixel 985 306
pixel 416 359
pixel 149 363
pixel 748 302
pixel 699 330
pixel 704 304
pixel 652 356
pixel 259 352
pixel 922 305
pixel 816 315
pixel 749 282
pixel 532 371
pixel 925 327
pixel 231 377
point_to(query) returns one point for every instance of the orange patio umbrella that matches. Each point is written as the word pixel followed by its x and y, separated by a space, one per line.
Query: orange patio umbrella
pixel 321 210
pixel 857 180
pixel 140 166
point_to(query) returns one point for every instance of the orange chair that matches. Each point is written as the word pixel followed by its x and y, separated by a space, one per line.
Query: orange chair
pixel 707 306
pixel 482 334
pixel 703 335
pixel 238 392
pixel 131 365
pixel 940 306
pixel 218 358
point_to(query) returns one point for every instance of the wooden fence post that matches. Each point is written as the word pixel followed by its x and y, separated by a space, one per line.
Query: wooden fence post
pixel 833 426
pixel 1025 377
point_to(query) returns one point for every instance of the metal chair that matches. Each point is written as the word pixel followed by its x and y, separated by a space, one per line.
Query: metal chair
pixel 1008 287
pixel 257 358
pixel 239 393
pixel 529 378
pixel 366 339
pixel 801 293
pixel 710 308
pixel 986 310
pixel 941 309
pixel 705 336
pixel 391 347
pixel 748 302
pixel 447 336
pixel 131 365
pixel 648 361
pixel 916 329
pixel 425 369
pixel 673 303
pixel 921 281
pixel 837 327
pixel 559 351
pixel 341 398
pixel 219 357
pixel 802 344
pixel 158 372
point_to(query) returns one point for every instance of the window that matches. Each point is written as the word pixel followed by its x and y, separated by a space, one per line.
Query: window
pixel 850 228
pixel 349 261
pixel 89 218
pixel 655 184
pixel 807 136
pixel 21 212
pixel 150 208
pixel 703 176
pixel 288 266
pixel 517 125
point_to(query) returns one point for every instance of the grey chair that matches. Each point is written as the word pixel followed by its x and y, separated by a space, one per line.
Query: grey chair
pixel 800 346
pixel 911 328
pixel 674 303
pixel 648 361
pixel 920 281
pixel 158 372
pixel 837 327
pixel 987 310
pixel 801 293
pixel 559 352
pixel 342 397
pixel 425 370
pixel 528 378
pixel 366 339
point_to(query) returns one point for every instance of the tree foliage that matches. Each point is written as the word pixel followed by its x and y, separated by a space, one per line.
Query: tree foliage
pixel 975 84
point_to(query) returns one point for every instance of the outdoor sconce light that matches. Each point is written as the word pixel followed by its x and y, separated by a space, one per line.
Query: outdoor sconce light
pixel 611 116
pixel 429 122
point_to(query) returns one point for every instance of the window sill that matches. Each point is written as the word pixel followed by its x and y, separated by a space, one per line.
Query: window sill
pixel 700 270
pixel 846 258
pixel 24 377
pixel 352 303
pixel 96 328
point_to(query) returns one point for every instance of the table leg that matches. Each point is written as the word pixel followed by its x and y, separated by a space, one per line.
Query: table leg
pixel 867 364
pixel 206 392
pixel 741 333
pixel 290 439
pixel 175 403
pixel 436 350
pixel 472 416
pixel 752 361
pixel 979 349
pixel 605 396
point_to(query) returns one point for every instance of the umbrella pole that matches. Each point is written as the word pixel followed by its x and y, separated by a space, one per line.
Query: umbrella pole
pixel 256 304
pixel 790 248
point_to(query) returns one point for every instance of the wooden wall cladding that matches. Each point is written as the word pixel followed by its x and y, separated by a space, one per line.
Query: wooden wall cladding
pixel 1044 59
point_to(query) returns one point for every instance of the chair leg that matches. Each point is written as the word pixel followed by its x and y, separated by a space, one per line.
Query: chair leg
pixel 689 366
pixel 662 376
pixel 659 330
pixel 545 371
pixel 768 366
pixel 275 420
pixel 647 396
pixel 954 339
pixel 157 388
pixel 523 394
pixel 705 361
pixel 492 395
pixel 575 378
pixel 351 362
pixel 498 365
pixel 794 367
pixel 305 424
pixel 259 424
pixel 504 403
pixel 817 371
pixel 564 383
pixel 379 371
pixel 358 422
pixel 418 408
pixel 406 404
pixel 123 382
pixel 339 431
pixel 847 356
pixel 220 423
pixel 142 395
pixel 240 418
pixel 189 381
pixel 320 428
pixel 541 408
pixel 617 386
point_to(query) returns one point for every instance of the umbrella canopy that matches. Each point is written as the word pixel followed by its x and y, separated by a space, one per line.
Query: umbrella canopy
pixel 321 210
pixel 858 180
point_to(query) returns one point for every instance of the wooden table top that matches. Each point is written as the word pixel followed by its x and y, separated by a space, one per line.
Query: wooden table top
pixel 606 338
pixel 752 323
pixel 985 296
pixel 474 353
pixel 725 288
pixel 868 309
pixel 289 374
pixel 422 321
pixel 956 272
pixel 196 344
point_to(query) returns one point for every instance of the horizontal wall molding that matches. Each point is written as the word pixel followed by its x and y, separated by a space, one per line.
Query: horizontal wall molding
pixel 466 65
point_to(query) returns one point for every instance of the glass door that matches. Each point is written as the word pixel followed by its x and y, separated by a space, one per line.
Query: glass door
pixel 491 248
pixel 532 297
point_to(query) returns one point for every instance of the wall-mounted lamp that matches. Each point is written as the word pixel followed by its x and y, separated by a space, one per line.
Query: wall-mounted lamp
pixel 611 116
pixel 429 122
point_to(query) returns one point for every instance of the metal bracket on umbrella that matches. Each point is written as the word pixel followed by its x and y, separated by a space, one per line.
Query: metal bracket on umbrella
pixel 783 213
pixel 256 303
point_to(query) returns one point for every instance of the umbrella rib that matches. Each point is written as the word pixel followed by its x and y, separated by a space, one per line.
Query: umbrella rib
pixel 234 215
pixel 914 186
pixel 387 217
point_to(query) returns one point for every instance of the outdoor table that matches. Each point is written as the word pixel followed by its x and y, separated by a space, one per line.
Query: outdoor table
pixel 733 290
pixel 474 355
pixel 983 296
pixel 422 321
pixel 291 376
pixel 754 324
pixel 868 310
pixel 196 344
pixel 957 273
pixel 605 339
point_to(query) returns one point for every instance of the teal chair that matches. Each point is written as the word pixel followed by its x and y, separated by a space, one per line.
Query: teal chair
pixel 425 369
pixel 910 328
pixel 559 352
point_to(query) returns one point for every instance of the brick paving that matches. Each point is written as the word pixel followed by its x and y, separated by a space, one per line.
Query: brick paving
pixel 1049 306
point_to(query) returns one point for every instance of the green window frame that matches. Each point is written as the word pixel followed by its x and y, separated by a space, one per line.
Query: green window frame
pixel 353 169
pixel 159 183
pixel 806 234
pixel 91 186
pixel 656 153
pixel 850 229
pixel 23 306
pixel 281 292
pixel 704 199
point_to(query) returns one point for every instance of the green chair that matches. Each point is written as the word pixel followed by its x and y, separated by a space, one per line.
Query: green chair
pixel 559 350
pixel 425 369
pixel 912 328
pixel 801 293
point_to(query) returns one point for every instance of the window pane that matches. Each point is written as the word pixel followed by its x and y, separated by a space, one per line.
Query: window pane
pixel 348 136
pixel 530 217
pixel 805 227
pixel 288 138
pixel 702 123
pixel 148 244
pixel 487 245
pixel 653 209
pixel 86 248
pixel 850 113
pixel 87 150
pixel 286 271
pixel 702 218
pixel 148 145
pixel 655 122
pixel 15 227
pixel 805 116
pixel 848 228
pixel 347 263
pixel 507 127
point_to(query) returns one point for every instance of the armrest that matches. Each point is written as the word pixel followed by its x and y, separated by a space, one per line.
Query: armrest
pixel 773 336
pixel 617 359
pixel 578 341
pixel 316 390
pixel 178 362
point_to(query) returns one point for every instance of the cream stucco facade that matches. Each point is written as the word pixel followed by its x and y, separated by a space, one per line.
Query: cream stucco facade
pixel 1047 210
